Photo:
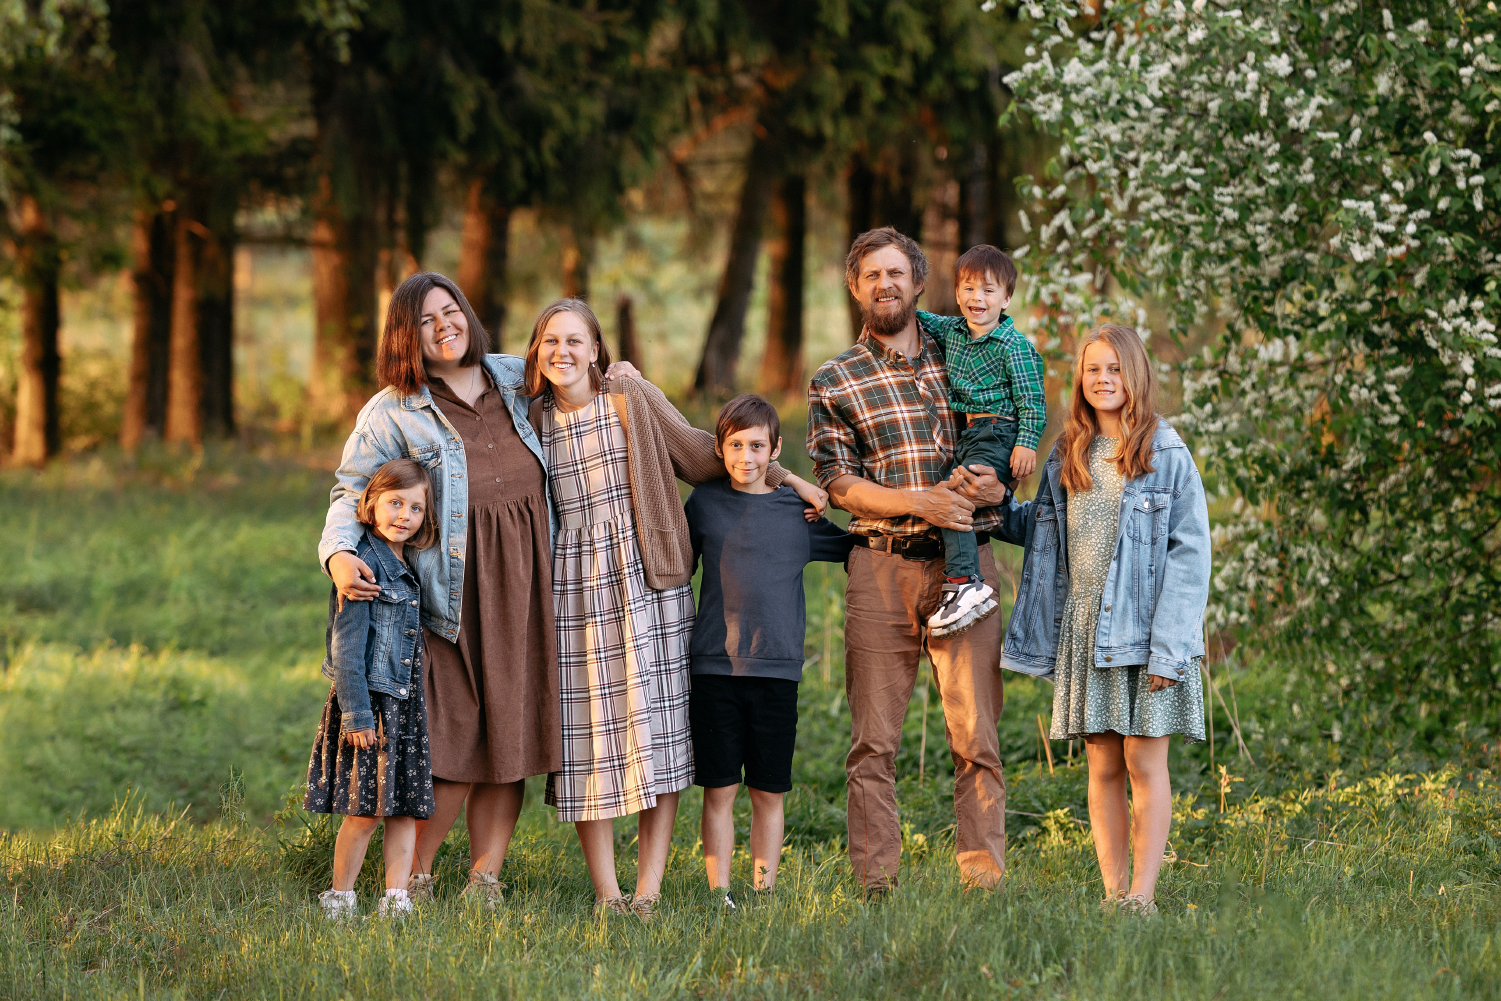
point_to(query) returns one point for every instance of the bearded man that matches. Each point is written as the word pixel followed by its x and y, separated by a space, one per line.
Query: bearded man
pixel 881 436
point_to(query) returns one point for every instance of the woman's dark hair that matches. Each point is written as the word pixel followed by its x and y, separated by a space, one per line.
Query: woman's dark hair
pixel 536 382
pixel 400 474
pixel 398 362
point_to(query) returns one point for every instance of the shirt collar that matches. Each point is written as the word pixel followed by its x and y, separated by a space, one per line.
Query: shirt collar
pixel 927 346
pixel 388 561
pixel 1000 332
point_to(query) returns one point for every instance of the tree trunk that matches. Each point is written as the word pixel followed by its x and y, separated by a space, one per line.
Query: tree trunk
pixel 484 246
pixel 861 187
pixel 152 248
pixel 345 253
pixel 630 346
pixel 974 199
pixel 346 243
pixel 895 200
pixel 38 436
pixel 216 315
pixel 716 369
pixel 185 364
pixel 941 224
pixel 782 364
pixel 578 252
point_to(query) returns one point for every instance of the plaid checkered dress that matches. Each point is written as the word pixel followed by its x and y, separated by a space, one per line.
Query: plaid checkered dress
pixel 622 647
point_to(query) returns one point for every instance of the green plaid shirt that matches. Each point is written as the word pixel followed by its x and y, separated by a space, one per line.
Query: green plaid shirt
pixel 875 414
pixel 1001 373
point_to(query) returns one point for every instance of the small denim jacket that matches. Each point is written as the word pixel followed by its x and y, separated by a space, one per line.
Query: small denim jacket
pixel 397 426
pixel 1152 611
pixel 371 644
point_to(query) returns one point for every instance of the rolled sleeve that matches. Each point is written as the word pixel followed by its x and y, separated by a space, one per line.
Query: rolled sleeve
pixel 831 441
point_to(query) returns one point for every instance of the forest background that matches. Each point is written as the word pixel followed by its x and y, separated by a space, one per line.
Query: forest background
pixel 206 205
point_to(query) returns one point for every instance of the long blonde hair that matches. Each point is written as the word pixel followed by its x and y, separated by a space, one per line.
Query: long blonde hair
pixel 1138 417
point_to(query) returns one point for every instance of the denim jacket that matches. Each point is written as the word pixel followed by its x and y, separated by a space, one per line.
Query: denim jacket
pixel 1152 611
pixel 371 644
pixel 396 426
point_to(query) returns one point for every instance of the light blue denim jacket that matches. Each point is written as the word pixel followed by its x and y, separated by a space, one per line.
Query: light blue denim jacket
pixel 1152 611
pixel 397 426
pixel 371 644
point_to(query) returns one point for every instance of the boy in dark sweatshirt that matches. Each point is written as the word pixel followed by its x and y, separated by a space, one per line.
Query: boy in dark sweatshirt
pixel 747 650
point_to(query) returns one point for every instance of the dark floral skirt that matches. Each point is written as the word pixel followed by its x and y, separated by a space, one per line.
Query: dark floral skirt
pixel 392 779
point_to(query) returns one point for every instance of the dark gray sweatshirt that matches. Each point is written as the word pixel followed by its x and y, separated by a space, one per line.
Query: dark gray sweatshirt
pixel 751 614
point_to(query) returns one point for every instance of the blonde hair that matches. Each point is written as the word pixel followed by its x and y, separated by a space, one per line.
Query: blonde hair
pixel 535 381
pixel 1138 417
pixel 400 474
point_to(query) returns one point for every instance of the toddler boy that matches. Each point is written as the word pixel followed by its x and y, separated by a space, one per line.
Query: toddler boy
pixel 747 649
pixel 996 393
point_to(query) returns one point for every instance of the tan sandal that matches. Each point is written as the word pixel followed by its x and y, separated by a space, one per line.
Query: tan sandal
pixel 645 906
pixel 1113 900
pixel 613 905
pixel 483 889
pixel 420 886
pixel 1139 905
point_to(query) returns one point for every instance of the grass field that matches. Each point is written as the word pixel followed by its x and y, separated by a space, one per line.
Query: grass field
pixel 162 630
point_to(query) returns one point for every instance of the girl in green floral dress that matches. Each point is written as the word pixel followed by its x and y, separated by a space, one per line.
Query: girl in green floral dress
pixel 1120 515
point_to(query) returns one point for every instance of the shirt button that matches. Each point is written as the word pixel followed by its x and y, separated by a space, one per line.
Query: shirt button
pixel 497 479
pixel 411 632
pixel 409 660
pixel 1107 658
pixel 414 604
pixel 491 445
pixel 401 691
pixel 1107 608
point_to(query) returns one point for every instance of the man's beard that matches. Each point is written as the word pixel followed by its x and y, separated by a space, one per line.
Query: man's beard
pixel 886 321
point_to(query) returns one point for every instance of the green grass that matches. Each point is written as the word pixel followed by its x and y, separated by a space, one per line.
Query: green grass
pixel 163 625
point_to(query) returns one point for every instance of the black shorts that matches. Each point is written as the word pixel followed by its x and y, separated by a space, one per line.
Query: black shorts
pixel 749 722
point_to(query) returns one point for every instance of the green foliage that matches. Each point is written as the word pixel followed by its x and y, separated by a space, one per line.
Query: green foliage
pixel 1315 176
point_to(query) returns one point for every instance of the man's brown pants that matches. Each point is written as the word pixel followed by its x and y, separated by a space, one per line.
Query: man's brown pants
pixel 888 600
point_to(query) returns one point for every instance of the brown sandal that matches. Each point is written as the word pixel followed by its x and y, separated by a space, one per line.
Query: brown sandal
pixel 483 889
pixel 645 906
pixel 1139 905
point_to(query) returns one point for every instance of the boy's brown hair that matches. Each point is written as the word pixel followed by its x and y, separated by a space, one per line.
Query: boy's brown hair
pixel 748 411
pixel 400 474
pixel 535 381
pixel 984 261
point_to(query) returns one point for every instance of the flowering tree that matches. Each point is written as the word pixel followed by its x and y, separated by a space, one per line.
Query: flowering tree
pixel 1320 179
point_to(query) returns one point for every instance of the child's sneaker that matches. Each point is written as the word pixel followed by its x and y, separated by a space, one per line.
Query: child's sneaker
pixel 961 606
pixel 420 887
pixel 339 905
pixel 395 904
pixel 729 902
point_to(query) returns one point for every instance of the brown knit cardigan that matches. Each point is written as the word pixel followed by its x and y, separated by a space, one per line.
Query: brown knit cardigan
pixel 662 446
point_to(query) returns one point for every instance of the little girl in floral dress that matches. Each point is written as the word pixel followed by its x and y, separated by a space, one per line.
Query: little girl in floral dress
pixel 370 759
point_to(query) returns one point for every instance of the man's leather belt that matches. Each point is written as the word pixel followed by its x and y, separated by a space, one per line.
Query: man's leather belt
pixel 916 547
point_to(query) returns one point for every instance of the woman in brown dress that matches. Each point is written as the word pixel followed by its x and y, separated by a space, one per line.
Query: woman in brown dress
pixel 492 680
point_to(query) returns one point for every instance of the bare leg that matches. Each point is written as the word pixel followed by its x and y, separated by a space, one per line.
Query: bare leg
pixel 718 829
pixel 1109 819
pixel 768 824
pixel 448 800
pixel 491 815
pixel 597 839
pixel 349 849
pixel 1152 810
pixel 653 842
pixel 398 846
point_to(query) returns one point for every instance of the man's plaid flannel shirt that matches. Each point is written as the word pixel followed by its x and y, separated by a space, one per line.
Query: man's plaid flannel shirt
pixel 876 414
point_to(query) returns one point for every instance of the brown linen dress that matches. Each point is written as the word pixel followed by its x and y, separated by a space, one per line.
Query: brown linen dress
pixel 492 697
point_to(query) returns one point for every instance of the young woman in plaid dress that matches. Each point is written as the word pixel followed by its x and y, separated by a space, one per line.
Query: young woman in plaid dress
pixel 622 599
